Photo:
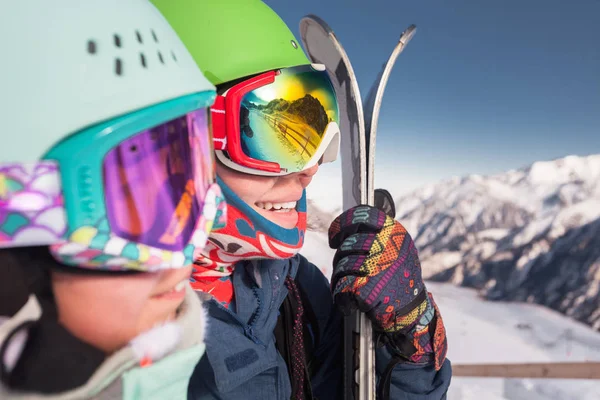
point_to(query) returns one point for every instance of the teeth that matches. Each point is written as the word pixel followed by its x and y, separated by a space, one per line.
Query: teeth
pixel 277 207
pixel 180 286
pixel 287 206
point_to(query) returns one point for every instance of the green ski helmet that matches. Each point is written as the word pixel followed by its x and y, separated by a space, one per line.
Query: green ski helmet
pixel 232 39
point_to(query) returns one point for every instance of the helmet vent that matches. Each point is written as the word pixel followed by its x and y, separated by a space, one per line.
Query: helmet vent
pixel 91 47
pixel 118 66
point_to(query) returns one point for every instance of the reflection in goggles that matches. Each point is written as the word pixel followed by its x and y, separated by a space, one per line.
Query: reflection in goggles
pixel 284 122
pixel 156 182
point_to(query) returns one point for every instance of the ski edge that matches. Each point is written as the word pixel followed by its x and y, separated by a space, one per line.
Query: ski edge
pixel 358 380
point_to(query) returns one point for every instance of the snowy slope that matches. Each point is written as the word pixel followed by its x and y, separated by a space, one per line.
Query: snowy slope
pixel 485 332
pixel 494 332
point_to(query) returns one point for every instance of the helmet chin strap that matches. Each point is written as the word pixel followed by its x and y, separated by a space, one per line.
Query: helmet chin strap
pixel 247 235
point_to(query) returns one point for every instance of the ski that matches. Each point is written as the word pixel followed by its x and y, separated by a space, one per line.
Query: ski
pixel 373 105
pixel 357 151
pixel 323 47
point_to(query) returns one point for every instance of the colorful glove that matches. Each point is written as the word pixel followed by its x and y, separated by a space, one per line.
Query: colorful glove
pixel 376 269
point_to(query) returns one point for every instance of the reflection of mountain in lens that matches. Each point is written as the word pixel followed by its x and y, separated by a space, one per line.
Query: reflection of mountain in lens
pixel 308 108
pixel 288 132
pixel 312 111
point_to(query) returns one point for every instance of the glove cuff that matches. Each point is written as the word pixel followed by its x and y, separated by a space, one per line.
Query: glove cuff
pixel 424 342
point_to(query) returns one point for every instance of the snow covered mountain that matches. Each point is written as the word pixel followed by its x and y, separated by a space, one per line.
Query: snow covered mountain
pixel 528 235
pixel 531 234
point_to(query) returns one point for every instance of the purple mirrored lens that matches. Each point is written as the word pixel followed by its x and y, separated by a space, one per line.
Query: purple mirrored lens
pixel 156 182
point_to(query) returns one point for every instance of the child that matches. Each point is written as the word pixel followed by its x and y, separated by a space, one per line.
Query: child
pixel 275 333
pixel 106 191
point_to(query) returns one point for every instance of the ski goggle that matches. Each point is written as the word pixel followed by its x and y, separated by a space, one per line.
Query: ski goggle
pixel 136 192
pixel 278 122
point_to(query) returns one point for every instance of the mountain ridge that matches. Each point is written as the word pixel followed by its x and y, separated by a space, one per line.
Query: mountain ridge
pixel 527 234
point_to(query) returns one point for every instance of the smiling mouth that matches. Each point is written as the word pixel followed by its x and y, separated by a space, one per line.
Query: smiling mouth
pixel 282 207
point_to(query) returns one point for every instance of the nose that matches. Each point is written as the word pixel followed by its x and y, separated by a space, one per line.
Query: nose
pixel 305 177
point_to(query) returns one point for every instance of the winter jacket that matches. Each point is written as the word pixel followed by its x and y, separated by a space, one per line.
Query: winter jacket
pixel 118 376
pixel 242 361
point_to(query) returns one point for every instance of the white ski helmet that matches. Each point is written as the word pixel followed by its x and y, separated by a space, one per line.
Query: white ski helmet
pixel 69 64
pixel 71 68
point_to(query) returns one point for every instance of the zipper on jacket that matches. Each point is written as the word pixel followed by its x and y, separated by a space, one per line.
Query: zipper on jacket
pixel 248 328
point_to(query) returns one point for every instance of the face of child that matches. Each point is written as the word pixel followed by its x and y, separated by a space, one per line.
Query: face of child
pixel 273 197
pixel 108 311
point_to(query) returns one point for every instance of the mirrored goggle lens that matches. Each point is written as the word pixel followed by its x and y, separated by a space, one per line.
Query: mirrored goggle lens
pixel 284 122
pixel 156 182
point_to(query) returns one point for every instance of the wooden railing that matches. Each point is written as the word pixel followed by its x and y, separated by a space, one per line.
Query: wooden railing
pixel 553 370
pixel 282 127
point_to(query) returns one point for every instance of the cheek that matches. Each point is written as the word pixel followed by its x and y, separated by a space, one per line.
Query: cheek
pixel 104 312
pixel 249 188
pixel 125 301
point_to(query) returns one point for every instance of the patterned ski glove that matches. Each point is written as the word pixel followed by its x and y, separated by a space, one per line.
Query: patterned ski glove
pixel 376 269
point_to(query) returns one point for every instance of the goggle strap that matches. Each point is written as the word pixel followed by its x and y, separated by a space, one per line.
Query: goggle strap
pixel 26 180
pixel 219 130
pixel 27 192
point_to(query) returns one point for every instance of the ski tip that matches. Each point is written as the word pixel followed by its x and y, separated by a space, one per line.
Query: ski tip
pixel 408 34
pixel 312 19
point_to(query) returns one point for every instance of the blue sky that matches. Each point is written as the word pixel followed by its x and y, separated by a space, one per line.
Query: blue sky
pixel 484 86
